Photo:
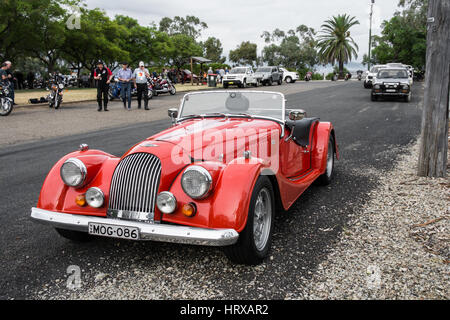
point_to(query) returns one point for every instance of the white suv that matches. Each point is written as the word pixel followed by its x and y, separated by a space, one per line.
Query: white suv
pixel 288 76
pixel 372 75
pixel 241 77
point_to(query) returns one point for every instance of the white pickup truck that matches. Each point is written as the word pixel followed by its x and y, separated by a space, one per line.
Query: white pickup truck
pixel 241 77
pixel 288 76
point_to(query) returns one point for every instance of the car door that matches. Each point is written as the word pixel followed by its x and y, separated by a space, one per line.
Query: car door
pixel 295 160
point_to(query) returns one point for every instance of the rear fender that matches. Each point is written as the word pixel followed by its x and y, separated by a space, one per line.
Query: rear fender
pixel 320 150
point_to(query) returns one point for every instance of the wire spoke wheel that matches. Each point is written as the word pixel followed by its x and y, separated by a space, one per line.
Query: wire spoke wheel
pixel 263 217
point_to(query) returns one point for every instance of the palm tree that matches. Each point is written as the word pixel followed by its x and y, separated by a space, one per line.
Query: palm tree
pixel 335 43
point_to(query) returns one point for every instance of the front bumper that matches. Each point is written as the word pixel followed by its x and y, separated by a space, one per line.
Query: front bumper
pixel 400 94
pixel 154 232
pixel 232 82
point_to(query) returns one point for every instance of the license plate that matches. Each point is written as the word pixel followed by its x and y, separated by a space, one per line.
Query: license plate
pixel 109 230
pixel 391 90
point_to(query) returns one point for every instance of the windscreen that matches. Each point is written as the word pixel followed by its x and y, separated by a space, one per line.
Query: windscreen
pixel 392 74
pixel 257 104
pixel 238 70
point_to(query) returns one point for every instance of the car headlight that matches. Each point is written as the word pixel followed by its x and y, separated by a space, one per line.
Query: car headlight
pixel 166 202
pixel 61 86
pixel 405 86
pixel 377 86
pixel 73 172
pixel 95 197
pixel 196 182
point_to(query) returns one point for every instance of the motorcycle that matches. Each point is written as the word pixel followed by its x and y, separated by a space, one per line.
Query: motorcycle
pixel 334 77
pixel 348 76
pixel 150 85
pixel 55 97
pixel 5 99
pixel 308 77
pixel 114 90
pixel 161 86
pixel 359 75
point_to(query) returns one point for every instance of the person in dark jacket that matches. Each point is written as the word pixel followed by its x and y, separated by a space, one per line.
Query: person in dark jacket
pixel 11 79
pixel 103 76
pixel 30 80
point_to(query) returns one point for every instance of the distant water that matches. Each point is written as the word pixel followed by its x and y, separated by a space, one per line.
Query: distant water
pixel 352 67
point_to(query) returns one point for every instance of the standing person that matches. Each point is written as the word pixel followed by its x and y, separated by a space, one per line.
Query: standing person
pixel 140 76
pixel 4 75
pixel 174 76
pixel 182 76
pixel 8 65
pixel 20 79
pixel 103 76
pixel 125 75
pixel 30 80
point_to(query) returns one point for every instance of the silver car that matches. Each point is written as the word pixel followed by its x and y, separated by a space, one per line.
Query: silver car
pixel 392 82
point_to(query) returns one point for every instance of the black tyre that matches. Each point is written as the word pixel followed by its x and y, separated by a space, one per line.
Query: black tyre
pixel 288 80
pixel 255 240
pixel 327 176
pixel 76 236
pixel 58 103
pixel 6 107
pixel 225 85
pixel 407 98
pixel 374 97
pixel 270 82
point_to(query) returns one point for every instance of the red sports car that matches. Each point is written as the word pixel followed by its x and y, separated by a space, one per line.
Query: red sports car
pixel 216 177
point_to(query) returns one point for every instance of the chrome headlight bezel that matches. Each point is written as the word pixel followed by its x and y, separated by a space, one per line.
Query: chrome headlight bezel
pixel 61 86
pixel 162 201
pixel 95 197
pixel 405 86
pixel 82 172
pixel 204 175
pixel 377 86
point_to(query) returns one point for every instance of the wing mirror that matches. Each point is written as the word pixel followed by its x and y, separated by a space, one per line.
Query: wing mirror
pixel 297 114
pixel 173 114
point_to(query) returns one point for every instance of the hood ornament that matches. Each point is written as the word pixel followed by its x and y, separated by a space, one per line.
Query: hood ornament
pixel 83 147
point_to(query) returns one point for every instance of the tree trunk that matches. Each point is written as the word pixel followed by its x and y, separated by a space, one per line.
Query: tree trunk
pixel 434 136
pixel 341 69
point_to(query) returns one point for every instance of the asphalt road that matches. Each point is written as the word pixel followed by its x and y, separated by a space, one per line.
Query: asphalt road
pixel 34 258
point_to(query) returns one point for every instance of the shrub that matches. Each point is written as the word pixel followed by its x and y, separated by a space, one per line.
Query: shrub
pixel 317 76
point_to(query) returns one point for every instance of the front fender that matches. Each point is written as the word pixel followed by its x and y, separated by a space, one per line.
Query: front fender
pixel 227 206
pixel 56 196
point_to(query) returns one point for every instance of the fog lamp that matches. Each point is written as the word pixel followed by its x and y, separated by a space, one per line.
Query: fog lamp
pixel 166 202
pixel 95 197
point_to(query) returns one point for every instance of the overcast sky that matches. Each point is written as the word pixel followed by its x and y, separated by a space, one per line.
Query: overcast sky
pixel 234 21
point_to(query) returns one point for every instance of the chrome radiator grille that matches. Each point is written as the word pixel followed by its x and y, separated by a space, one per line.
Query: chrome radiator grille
pixel 134 187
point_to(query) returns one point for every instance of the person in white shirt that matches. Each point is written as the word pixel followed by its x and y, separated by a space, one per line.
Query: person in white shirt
pixel 140 77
